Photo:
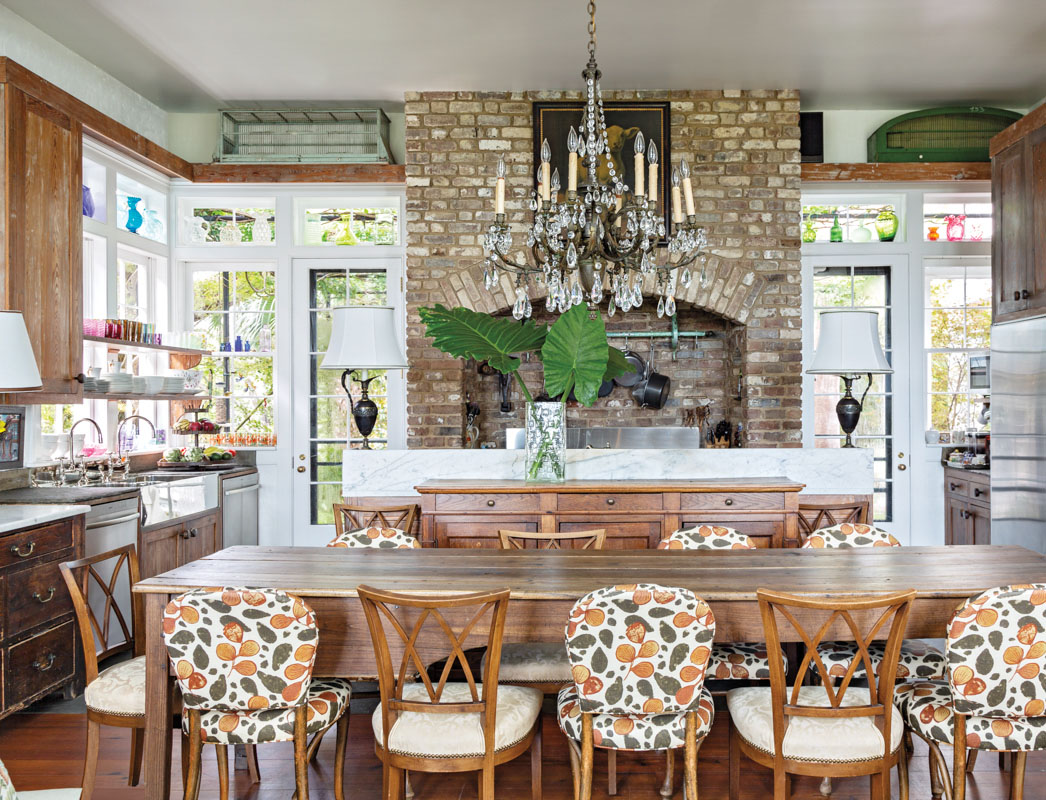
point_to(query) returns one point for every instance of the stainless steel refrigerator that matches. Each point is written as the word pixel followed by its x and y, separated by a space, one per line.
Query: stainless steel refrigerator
pixel 1018 431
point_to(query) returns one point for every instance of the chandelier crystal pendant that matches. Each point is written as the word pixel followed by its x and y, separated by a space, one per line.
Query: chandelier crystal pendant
pixel 601 240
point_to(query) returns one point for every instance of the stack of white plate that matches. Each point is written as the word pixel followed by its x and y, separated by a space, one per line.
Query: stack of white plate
pixel 119 382
pixel 153 384
pixel 91 384
pixel 173 384
pixel 137 385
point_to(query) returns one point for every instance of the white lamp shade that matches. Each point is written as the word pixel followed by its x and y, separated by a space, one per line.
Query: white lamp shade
pixel 849 345
pixel 18 370
pixel 364 337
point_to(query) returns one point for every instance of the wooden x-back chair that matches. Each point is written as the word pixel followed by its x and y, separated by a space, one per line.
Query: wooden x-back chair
pixel 349 517
pixel 561 540
pixel 814 516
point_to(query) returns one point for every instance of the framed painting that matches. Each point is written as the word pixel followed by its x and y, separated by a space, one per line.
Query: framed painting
pixel 625 120
pixel 12 436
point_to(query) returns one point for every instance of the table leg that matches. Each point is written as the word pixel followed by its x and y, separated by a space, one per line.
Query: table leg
pixel 157 703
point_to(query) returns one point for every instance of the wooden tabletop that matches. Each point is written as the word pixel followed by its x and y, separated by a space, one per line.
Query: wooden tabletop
pixel 934 572
pixel 494 486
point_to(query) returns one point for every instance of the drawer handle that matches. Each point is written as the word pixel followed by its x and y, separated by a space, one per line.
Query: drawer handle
pixel 41 666
pixel 610 501
pixel 978 492
pixel 1025 294
pixel 966 515
pixel 27 553
pixel 1016 295
pixel 490 503
pixel 728 501
pixel 42 600
pixel 192 533
pixel 185 534
pixel 953 486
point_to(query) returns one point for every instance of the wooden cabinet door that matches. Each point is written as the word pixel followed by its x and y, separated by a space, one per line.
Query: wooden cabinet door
pixel 42 271
pixel 160 549
pixel 479 530
pixel 1036 268
pixel 764 530
pixel 634 532
pixel 957 528
pixel 1010 218
pixel 202 540
pixel 980 524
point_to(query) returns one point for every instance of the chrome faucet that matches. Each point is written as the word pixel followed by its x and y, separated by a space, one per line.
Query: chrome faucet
pixel 119 430
pixel 101 438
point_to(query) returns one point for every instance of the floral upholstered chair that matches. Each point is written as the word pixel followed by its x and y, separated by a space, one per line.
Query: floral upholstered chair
pixel 385 538
pixel 7 790
pixel 638 657
pixel 243 660
pixel 995 695
pixel 729 661
pixel 919 660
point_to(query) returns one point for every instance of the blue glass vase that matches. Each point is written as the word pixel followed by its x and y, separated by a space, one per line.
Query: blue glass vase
pixel 134 216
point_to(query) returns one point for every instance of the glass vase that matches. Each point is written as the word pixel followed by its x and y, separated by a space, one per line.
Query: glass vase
pixel 886 225
pixel 546 454
pixel 134 216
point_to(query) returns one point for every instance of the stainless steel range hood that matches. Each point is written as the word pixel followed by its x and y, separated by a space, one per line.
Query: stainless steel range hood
pixel 662 438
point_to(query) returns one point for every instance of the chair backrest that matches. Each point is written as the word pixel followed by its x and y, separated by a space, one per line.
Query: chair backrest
pixel 813 516
pixel 996 646
pixel 572 540
pixel 383 538
pixel 624 660
pixel 816 620
pixel 109 629
pixel 707 537
pixel 238 649
pixel 444 622
pixel 848 535
pixel 353 518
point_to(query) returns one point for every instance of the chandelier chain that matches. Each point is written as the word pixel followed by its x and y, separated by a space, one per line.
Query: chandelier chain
pixel 592 28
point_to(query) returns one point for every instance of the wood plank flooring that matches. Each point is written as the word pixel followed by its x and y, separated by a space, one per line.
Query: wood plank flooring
pixel 46 750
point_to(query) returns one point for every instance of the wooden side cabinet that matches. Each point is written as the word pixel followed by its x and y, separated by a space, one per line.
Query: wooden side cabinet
pixel 967 504
pixel 39 645
pixel 163 547
pixel 41 270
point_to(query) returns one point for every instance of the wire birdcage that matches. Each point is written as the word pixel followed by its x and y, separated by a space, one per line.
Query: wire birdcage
pixel 353 136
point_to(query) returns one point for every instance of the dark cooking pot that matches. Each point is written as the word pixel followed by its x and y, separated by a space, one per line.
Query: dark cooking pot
pixel 639 368
pixel 653 390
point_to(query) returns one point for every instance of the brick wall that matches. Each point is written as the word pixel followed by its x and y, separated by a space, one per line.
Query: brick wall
pixel 743 147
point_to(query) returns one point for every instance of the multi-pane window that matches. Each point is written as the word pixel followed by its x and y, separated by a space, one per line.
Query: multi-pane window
pixel 867 288
pixel 360 222
pixel 229 225
pixel 330 424
pixel 234 314
pixel 132 289
pixel 958 326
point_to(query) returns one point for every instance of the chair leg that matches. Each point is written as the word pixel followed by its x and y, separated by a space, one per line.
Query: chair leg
pixel 902 768
pixel 971 759
pixel 486 783
pixel 134 774
pixel 781 785
pixel 408 790
pixel 192 777
pixel 301 753
pixel 826 787
pixel 535 762
pixel 222 752
pixel 1002 759
pixel 185 758
pixel 314 745
pixel 876 786
pixel 585 792
pixel 908 744
pixel 959 758
pixel 690 757
pixel 611 772
pixel 90 759
pixel 668 787
pixel 1020 760
pixel 252 763
pixel 735 764
pixel 395 784
pixel 575 766
pixel 339 755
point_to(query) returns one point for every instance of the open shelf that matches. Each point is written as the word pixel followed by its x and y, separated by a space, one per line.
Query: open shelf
pixel 122 345
pixel 180 397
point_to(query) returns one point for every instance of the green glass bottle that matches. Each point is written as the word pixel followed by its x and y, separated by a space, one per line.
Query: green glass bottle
pixel 809 234
pixel 886 225
pixel 836 233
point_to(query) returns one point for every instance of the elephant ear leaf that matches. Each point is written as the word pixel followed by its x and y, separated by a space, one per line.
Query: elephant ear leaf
pixel 575 355
pixel 616 364
pixel 464 333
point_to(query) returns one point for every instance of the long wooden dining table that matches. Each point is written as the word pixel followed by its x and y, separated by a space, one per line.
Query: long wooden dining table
pixel 544 586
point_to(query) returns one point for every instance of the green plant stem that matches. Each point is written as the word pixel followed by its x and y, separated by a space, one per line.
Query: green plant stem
pixel 522 386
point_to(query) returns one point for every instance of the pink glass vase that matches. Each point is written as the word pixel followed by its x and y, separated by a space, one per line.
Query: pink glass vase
pixel 956 230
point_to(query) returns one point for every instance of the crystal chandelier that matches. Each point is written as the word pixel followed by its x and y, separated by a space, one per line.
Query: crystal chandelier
pixel 602 239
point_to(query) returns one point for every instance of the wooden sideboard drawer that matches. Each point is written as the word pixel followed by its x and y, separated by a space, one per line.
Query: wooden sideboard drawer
pixel 610 502
pixel 980 492
pixel 21 547
pixel 488 502
pixel 36 595
pixel 34 665
pixel 480 530
pixel 956 486
pixel 734 501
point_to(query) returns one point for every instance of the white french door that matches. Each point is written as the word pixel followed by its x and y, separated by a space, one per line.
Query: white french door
pixel 322 415
pixel 874 283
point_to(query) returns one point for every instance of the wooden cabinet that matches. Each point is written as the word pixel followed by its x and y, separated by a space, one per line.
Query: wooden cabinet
pixel 1019 219
pixel 164 547
pixel 39 650
pixel 41 236
pixel 635 514
pixel 967 504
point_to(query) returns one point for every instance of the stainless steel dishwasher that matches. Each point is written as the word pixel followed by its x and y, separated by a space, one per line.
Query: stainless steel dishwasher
pixel 240 510
pixel 108 526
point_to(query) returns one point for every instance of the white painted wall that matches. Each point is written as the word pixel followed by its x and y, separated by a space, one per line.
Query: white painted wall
pixel 36 51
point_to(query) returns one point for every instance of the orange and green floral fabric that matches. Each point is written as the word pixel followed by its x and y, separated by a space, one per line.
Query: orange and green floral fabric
pixel 707 537
pixel 388 538
pixel 849 534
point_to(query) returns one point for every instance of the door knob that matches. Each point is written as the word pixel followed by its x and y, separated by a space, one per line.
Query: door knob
pixel 301 456
pixel 301 469
pixel 902 467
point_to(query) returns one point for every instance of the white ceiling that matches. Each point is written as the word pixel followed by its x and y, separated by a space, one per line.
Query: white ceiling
pixel 197 54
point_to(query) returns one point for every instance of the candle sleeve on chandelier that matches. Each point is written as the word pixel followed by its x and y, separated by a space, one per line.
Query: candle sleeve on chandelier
pixel 640 166
pixel 677 203
pixel 546 168
pixel 572 147
pixel 688 187
pixel 499 191
pixel 651 155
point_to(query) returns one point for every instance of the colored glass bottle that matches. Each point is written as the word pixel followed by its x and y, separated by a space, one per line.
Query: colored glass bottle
pixel 886 225
pixel 836 233
pixel 809 234
pixel 134 216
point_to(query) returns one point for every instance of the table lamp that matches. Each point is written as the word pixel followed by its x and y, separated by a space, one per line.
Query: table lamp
pixel 849 347
pixel 18 369
pixel 363 338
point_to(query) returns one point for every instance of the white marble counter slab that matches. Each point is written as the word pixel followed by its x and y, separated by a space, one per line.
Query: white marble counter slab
pixel 371 473
pixel 14 517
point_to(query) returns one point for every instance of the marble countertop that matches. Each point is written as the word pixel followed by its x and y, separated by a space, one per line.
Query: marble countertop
pixel 13 518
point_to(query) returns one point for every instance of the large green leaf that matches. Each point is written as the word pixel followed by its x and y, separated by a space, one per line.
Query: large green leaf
pixel 616 365
pixel 575 355
pixel 463 333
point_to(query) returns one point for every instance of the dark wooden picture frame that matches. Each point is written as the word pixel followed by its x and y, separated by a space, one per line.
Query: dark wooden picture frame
pixel 12 440
pixel 624 119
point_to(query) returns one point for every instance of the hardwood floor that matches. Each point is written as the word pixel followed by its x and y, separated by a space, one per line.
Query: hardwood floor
pixel 45 751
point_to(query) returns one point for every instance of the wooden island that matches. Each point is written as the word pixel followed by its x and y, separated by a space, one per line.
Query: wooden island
pixel 636 514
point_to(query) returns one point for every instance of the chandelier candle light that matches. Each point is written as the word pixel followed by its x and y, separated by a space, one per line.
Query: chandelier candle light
pixel 601 239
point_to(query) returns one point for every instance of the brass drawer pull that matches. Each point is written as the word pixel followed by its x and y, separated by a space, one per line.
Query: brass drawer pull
pixel 490 503
pixel 42 600
pixel 610 501
pixel 40 666
pixel 729 501
pixel 27 553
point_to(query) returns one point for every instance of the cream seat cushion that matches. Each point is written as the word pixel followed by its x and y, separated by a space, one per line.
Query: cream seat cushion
pixel 532 662
pixel 119 689
pixel 51 794
pixel 417 733
pixel 814 739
